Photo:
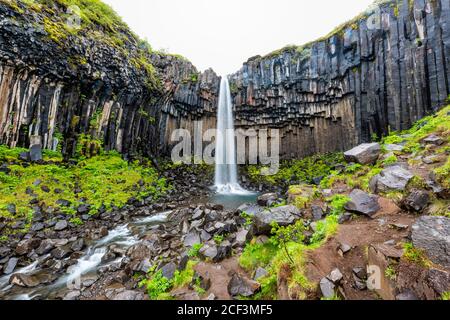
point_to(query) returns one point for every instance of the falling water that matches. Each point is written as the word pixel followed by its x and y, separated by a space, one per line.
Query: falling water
pixel 226 180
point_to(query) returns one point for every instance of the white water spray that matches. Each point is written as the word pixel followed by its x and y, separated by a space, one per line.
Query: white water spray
pixel 226 180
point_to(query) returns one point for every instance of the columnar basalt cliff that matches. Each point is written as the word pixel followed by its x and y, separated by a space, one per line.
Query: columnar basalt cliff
pixel 99 82
pixel 379 72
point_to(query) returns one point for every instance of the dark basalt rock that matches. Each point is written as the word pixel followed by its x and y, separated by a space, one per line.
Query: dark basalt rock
pixel 363 203
pixel 283 216
pixel 417 200
pixel 432 235
pixel 367 153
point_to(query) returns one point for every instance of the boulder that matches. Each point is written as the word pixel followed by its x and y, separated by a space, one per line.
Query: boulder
pixel 61 252
pixel 335 276
pixel 61 225
pixel 394 178
pixel 242 287
pixel 192 239
pixel 362 203
pixel 327 288
pixel 267 199
pixel 283 216
pixel 417 200
pixel 168 270
pixel 432 234
pixel 366 153
pixel 434 140
pixel 45 247
pixel 9 267
pixel 25 246
pixel 35 153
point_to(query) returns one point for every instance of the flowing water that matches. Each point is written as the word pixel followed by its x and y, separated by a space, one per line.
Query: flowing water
pixel 124 236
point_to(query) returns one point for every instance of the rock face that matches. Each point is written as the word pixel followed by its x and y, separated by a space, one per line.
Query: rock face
pixel 432 234
pixel 56 90
pixel 352 84
pixel 381 72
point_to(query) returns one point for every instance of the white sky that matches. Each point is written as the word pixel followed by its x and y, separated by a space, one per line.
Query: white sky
pixel 223 34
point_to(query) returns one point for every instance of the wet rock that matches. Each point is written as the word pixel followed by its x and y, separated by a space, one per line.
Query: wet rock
pixel 239 286
pixel 192 239
pixel 394 178
pixel 327 288
pixel 25 246
pixel 10 266
pixel 432 234
pixel 416 201
pixel 61 225
pixel 31 281
pixel 77 245
pixel 367 153
pixel 61 252
pixel 362 203
pixel 45 247
pixel 283 216
pixel 264 199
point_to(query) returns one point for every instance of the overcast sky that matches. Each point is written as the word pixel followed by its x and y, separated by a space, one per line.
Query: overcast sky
pixel 224 34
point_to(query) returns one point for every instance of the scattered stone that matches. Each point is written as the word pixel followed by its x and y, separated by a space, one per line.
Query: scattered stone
pixel 211 297
pixel 61 225
pixel 250 209
pixel 61 252
pixel 25 246
pixel 335 276
pixel 434 140
pixel 83 209
pixel 317 213
pixel 283 216
pixel 417 201
pixel 46 189
pixel 239 286
pixel 242 237
pixel 168 270
pixel 63 203
pixel 327 288
pixel 192 239
pixel 266 198
pixel 10 266
pixel 45 247
pixel 345 217
pixel 77 245
pixel 367 153
pixel 432 234
pixel 201 282
pixel 363 203
pixel 35 153
pixel 394 147
pixel 344 249
pixel 407 296
pixel 394 178
pixel 129 295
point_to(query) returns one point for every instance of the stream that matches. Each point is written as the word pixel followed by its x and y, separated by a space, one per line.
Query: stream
pixel 90 264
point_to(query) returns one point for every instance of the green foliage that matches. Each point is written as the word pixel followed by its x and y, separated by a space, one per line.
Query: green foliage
pixel 257 255
pixel 219 238
pixel 195 250
pixel 282 236
pixel 390 160
pixel 158 286
pixel 446 296
pixel 304 170
pixel 390 273
pixel 105 180
pixel 415 255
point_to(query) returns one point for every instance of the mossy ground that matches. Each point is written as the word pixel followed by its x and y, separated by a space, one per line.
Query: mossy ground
pixel 104 181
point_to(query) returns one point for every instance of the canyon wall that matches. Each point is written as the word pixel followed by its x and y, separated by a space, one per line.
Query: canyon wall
pixel 382 71
pixel 62 87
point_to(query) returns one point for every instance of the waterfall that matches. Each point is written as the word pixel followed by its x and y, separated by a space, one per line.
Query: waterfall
pixel 226 179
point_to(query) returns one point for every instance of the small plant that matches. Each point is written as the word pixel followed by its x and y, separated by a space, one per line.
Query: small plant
pixel 157 285
pixel 446 296
pixel 248 219
pixel 195 250
pixel 415 255
pixel 77 221
pixel 219 238
pixel 390 273
pixel 284 235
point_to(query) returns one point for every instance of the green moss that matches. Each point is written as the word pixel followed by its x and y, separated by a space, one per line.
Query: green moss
pixel 415 255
